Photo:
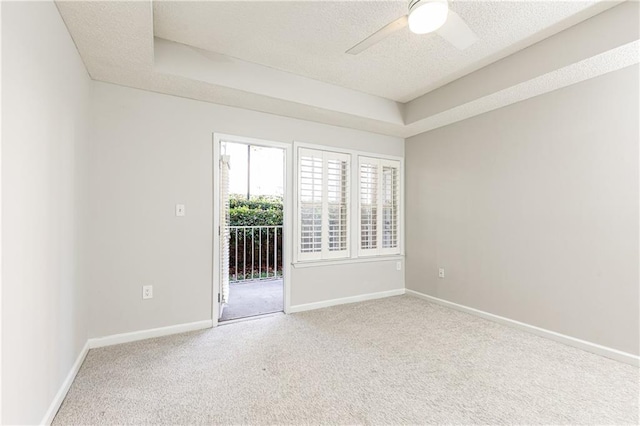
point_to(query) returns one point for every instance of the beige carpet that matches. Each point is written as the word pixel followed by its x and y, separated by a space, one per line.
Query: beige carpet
pixel 393 361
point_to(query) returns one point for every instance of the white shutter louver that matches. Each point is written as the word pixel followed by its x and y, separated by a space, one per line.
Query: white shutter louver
pixel 323 204
pixel 368 206
pixel 337 205
pixel 390 190
pixel 310 199
pixel 379 206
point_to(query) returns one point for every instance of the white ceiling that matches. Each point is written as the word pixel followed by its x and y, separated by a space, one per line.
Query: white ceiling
pixel 287 58
pixel 310 38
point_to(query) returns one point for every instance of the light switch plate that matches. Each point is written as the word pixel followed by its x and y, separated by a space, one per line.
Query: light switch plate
pixel 180 210
pixel 147 292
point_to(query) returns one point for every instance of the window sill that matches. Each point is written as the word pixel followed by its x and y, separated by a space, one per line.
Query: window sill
pixel 332 262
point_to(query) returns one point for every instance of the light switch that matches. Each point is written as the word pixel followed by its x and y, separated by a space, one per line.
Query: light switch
pixel 147 292
pixel 180 211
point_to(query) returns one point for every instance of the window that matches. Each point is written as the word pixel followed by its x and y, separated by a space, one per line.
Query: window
pixel 323 204
pixel 379 206
pixel 325 196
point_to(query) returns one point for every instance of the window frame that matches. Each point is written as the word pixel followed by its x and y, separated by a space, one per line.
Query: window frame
pixel 354 208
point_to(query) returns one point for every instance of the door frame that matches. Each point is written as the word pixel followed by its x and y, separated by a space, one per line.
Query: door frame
pixel 287 224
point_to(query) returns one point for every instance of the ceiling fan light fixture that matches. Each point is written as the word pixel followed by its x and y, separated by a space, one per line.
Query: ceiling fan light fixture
pixel 426 16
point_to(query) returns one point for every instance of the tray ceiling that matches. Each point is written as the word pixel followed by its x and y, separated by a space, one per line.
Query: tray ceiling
pixel 288 58
pixel 309 38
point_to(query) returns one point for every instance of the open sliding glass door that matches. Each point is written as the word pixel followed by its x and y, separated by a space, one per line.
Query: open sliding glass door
pixel 224 234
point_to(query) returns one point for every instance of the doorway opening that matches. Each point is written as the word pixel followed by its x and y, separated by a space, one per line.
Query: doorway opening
pixel 252 191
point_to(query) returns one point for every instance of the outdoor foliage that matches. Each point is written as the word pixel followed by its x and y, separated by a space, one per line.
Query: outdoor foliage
pixel 257 211
pixel 255 253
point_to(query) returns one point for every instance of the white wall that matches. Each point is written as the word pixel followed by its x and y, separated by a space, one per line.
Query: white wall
pixel 533 211
pixel 150 151
pixel 45 99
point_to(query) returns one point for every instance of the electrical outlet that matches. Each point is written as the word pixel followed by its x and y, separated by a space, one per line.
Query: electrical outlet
pixel 440 272
pixel 147 292
pixel 399 265
pixel 180 210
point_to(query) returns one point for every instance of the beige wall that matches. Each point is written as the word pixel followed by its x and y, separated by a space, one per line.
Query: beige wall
pixel 45 99
pixel 533 211
pixel 350 280
pixel 150 151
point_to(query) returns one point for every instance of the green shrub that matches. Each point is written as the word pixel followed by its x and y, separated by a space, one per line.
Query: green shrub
pixel 259 253
pixel 257 211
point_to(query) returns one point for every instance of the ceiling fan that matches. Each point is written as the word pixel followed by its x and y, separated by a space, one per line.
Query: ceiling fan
pixel 425 16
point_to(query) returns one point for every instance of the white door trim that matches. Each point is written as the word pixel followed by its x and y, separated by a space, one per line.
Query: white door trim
pixel 287 225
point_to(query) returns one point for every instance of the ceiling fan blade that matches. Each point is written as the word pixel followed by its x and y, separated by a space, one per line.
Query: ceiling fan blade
pixel 379 35
pixel 457 32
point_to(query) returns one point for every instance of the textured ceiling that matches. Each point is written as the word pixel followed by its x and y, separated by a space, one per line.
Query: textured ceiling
pixel 115 41
pixel 306 40
pixel 309 38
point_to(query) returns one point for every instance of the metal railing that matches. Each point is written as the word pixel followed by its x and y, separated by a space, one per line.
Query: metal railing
pixel 255 253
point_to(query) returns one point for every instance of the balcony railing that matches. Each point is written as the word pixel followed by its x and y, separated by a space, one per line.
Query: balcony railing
pixel 255 253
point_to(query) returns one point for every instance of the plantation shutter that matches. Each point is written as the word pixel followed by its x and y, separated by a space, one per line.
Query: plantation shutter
pixel 368 207
pixel 390 206
pixel 336 205
pixel 323 204
pixel 224 231
pixel 310 204
pixel 379 206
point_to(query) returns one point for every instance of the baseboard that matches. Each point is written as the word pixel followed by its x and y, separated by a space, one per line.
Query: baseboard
pixel 552 335
pixel 345 300
pixel 116 339
pixel 64 388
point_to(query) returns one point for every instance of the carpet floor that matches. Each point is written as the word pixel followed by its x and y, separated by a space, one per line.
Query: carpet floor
pixel 253 298
pixel 399 360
